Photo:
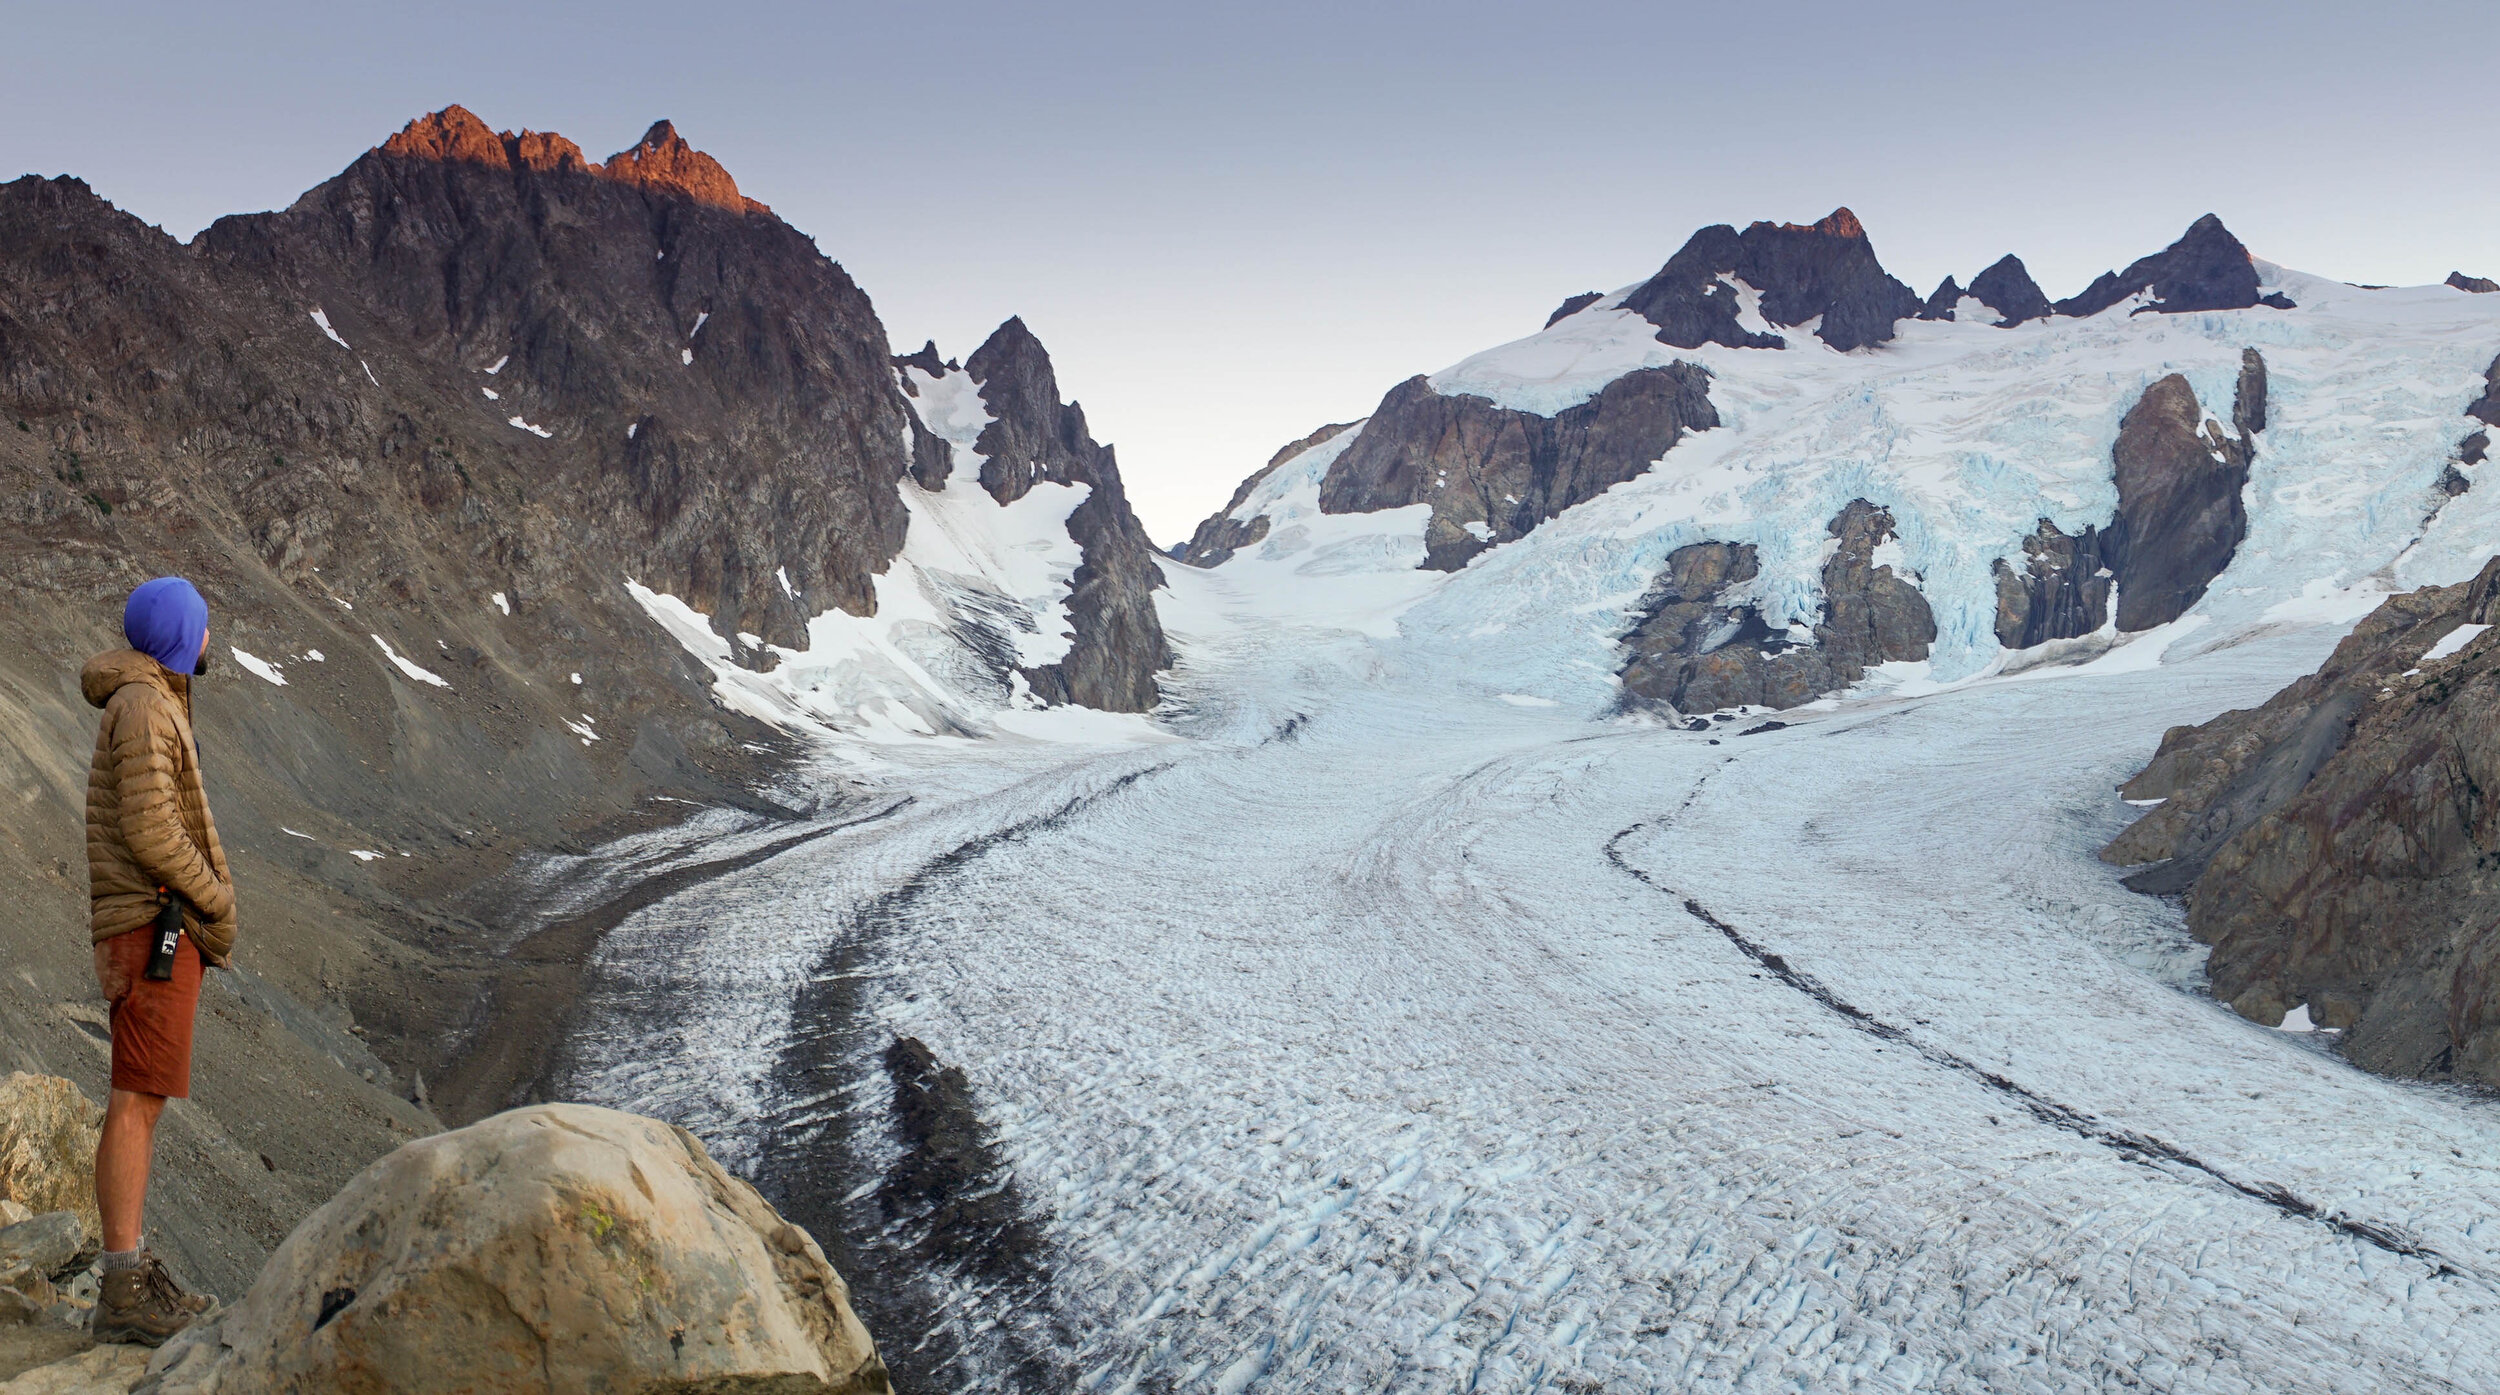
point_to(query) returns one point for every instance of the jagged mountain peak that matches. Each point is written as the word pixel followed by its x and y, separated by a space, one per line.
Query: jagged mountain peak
pixel 1840 222
pixel 661 162
pixel 1826 271
pixel 1013 343
pixel 1940 302
pixel 2007 288
pixel 1030 439
pixel 2206 269
pixel 453 133
pixel 926 359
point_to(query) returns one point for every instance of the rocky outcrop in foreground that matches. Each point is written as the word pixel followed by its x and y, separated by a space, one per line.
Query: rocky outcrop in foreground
pixel 555 1248
pixel 1491 473
pixel 2180 520
pixel 2337 846
pixel 1803 271
pixel 1701 644
pixel 2206 269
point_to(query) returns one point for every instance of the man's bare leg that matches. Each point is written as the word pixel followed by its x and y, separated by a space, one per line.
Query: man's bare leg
pixel 138 1301
pixel 122 1160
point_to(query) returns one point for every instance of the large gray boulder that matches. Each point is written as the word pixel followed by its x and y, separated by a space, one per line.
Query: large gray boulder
pixel 559 1248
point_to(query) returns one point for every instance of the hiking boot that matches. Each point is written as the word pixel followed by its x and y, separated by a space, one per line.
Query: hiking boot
pixel 143 1305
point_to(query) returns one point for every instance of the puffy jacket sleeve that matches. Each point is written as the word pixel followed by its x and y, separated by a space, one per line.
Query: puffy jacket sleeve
pixel 147 759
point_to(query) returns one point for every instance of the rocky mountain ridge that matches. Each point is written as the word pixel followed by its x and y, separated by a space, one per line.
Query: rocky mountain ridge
pixel 1034 438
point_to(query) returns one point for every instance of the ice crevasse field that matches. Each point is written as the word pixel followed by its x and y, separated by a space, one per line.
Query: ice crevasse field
pixel 1390 1011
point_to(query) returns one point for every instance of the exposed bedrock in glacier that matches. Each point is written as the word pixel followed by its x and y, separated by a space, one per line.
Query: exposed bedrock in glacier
pixel 1491 473
pixel 2206 269
pixel 2180 519
pixel 2486 409
pixel 1825 270
pixel 2180 515
pixel 1701 644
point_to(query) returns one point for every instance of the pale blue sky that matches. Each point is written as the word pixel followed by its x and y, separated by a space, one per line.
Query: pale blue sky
pixel 1230 224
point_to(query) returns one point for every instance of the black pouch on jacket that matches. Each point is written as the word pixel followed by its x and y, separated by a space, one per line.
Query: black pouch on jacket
pixel 168 935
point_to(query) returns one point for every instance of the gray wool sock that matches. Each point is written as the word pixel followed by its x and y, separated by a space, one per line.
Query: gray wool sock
pixel 125 1259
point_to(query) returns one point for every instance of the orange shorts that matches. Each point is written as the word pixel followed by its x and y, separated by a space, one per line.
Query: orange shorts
pixel 152 1021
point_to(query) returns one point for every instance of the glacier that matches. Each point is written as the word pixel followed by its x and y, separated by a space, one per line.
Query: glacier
pixel 1394 1013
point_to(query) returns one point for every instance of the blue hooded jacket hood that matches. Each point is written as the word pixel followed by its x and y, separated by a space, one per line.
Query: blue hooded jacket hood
pixel 167 620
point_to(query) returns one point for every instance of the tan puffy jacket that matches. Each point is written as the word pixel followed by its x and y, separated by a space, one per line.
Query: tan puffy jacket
pixel 147 816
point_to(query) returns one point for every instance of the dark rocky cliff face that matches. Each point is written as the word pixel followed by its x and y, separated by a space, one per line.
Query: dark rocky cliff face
pixel 2005 287
pixel 2060 592
pixel 2206 269
pixel 2480 285
pixel 704 460
pixel 1491 474
pixel 1035 438
pixel 2486 408
pixel 1221 535
pixel 2338 846
pixel 1827 269
pixel 1940 301
pixel 2180 517
pixel 1699 646
pixel 2180 521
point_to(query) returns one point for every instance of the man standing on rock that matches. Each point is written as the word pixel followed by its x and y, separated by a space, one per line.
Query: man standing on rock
pixel 150 845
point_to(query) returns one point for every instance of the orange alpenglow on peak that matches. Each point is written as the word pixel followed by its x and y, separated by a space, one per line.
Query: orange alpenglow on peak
pixel 1840 222
pixel 665 162
pixel 454 133
pixel 661 163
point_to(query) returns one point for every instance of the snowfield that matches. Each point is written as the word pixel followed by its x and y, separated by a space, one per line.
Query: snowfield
pixel 1394 1015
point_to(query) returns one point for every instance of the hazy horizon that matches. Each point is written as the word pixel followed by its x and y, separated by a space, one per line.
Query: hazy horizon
pixel 1231 227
